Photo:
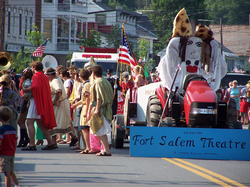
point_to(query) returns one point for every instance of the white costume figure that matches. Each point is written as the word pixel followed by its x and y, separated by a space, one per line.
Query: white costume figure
pixel 192 64
pixel 200 55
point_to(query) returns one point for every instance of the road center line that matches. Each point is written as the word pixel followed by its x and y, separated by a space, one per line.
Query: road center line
pixel 217 181
pixel 211 173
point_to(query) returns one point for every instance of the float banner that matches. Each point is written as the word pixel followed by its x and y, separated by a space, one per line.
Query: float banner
pixel 198 143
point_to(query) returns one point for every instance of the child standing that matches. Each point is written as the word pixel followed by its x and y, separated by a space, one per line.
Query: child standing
pixel 8 139
pixel 244 110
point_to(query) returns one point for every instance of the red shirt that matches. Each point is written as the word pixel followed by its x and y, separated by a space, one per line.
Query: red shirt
pixel 157 79
pixel 20 85
pixel 8 136
pixel 126 86
pixel 244 106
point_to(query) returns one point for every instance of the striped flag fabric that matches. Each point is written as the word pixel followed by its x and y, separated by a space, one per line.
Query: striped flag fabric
pixel 39 51
pixel 126 56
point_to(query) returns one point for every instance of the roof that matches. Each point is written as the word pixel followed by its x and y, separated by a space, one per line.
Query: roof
pixel 227 52
pixel 144 32
pixel 145 23
pixel 128 13
pixel 235 37
pixel 105 7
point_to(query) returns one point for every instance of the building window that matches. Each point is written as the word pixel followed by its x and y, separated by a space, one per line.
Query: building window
pixel 31 24
pixel 20 24
pixel 9 22
pixel 26 25
pixel 14 22
pixel 101 19
pixel 48 1
pixel 47 29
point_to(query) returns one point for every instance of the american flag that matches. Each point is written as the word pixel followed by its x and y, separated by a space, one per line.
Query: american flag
pixel 39 51
pixel 126 56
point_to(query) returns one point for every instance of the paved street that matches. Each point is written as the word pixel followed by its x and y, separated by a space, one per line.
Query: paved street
pixel 65 167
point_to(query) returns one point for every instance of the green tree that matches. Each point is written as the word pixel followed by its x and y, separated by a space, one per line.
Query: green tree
pixel 127 4
pixel 162 13
pixel 20 61
pixel 114 38
pixel 34 37
pixel 143 48
pixel 232 12
pixel 141 4
pixel 94 39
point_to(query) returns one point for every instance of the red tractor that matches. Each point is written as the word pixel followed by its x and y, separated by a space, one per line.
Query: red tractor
pixel 196 105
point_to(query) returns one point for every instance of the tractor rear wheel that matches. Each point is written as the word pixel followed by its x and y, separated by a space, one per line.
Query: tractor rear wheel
pixel 154 111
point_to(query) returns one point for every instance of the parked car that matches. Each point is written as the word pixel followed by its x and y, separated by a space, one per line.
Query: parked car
pixel 241 78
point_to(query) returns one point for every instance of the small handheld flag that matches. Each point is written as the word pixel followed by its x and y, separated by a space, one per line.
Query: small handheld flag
pixel 39 51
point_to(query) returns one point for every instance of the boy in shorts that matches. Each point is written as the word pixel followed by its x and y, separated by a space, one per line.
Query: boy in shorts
pixel 8 143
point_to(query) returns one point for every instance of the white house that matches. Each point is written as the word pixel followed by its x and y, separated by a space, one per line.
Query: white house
pixel 58 20
pixel 137 26
pixel 19 17
pixel 61 21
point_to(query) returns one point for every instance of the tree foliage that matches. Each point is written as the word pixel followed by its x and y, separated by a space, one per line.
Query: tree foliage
pixel 162 13
pixel 132 5
pixel 114 38
pixel 232 12
pixel 20 61
pixel 143 48
pixel 94 39
pixel 34 37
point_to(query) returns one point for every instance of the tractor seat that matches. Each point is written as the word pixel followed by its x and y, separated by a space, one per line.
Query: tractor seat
pixel 188 78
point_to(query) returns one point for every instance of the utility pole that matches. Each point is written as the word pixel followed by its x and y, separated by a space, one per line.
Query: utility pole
pixel 2 26
pixel 221 37
pixel 86 21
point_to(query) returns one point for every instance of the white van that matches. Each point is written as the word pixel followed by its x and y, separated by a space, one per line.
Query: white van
pixel 106 60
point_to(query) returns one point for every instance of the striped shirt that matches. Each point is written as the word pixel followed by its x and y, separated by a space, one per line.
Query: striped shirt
pixel 8 136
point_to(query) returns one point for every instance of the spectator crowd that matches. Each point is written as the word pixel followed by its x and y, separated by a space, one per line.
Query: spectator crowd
pixel 242 100
pixel 64 105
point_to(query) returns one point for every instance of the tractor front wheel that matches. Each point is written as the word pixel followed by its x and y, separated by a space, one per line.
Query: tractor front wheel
pixel 154 111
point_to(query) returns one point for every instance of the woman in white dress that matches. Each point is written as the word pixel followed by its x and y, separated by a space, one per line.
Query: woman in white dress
pixel 61 106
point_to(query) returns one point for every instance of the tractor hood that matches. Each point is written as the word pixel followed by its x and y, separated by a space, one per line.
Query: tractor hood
pixel 200 91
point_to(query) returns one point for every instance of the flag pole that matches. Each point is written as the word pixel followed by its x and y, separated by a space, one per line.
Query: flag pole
pixel 117 67
pixel 123 30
